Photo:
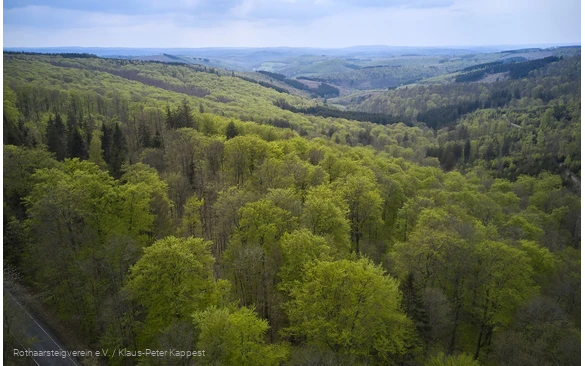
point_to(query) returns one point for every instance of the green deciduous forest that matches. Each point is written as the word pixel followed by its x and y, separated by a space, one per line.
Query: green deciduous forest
pixel 179 206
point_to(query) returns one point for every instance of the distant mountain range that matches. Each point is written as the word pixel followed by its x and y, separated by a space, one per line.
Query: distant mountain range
pixel 287 60
pixel 272 52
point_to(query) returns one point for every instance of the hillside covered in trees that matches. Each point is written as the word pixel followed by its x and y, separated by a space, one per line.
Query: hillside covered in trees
pixel 171 206
pixel 513 127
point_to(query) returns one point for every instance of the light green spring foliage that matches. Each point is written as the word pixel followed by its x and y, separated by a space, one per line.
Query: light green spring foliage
pixel 263 223
pixel 486 279
pixel 503 280
pixel 191 225
pixel 541 259
pixel 172 280
pixel 299 249
pixel 365 205
pixel 244 154
pixel 9 106
pixel 79 189
pixel 253 256
pixel 458 360
pixel 19 165
pixel 96 152
pixel 235 337
pixel 287 199
pixel 115 97
pixel 79 216
pixel 325 214
pixel 151 184
pixel 350 307
pixel 439 247
pixel 279 209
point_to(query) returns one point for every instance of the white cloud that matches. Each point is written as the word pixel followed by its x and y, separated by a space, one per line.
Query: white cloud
pixel 464 23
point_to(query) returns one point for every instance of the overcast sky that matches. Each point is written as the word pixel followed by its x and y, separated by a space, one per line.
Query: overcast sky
pixel 296 23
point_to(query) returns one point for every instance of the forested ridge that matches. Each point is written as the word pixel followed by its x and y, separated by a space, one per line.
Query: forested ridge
pixel 174 206
pixel 323 90
pixel 511 127
pixel 515 70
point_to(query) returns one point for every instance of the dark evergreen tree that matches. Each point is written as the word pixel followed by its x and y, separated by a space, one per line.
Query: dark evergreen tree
pixel 56 137
pixel 144 134
pixel 414 307
pixel 231 131
pixel 157 141
pixel 467 151
pixel 184 115
pixel 76 145
pixel 170 119
pixel 118 152
pixel 87 126
pixel 13 134
pixel 457 151
pixel 107 143
pixel 506 145
pixel 447 158
pixel 490 152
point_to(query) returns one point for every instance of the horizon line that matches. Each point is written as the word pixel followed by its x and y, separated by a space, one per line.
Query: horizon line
pixel 558 44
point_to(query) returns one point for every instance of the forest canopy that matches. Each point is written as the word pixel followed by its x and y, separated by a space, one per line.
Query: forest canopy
pixel 159 205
